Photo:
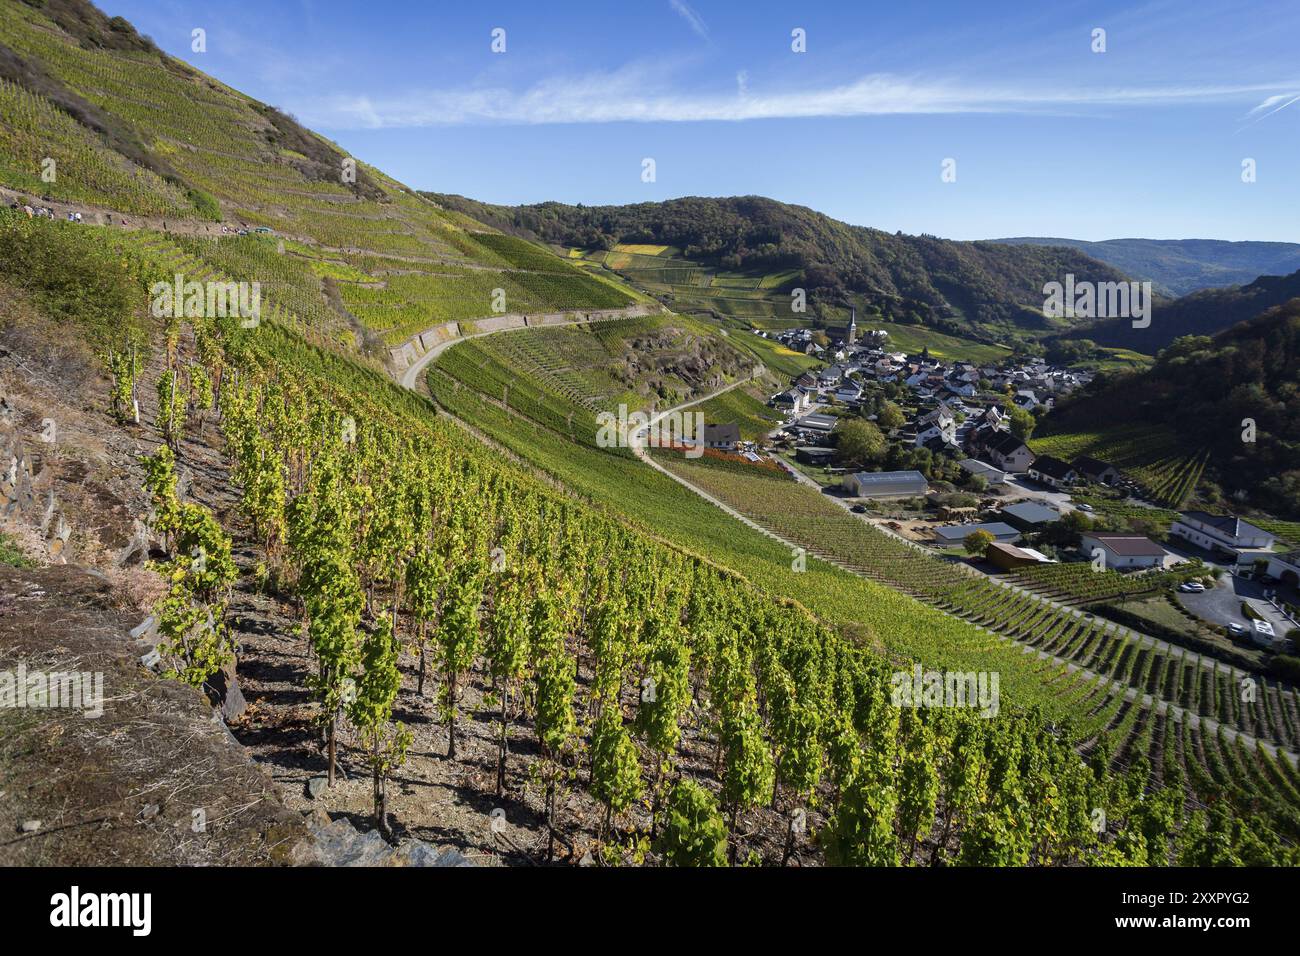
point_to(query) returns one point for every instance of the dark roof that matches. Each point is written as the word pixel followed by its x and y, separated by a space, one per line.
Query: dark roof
pixel 1004 443
pixel 1091 466
pixel 957 532
pixel 1230 524
pixel 728 432
pixel 1052 467
pixel 1128 545
pixel 1031 512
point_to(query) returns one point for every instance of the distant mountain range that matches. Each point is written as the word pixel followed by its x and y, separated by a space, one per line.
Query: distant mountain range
pixel 1206 312
pixel 990 289
pixel 1178 266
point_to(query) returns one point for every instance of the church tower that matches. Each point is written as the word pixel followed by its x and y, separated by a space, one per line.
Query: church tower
pixel 853 326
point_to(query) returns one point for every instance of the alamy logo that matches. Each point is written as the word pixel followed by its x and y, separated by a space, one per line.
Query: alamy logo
pixel 670 430
pixel 1098 300
pixel 74 690
pixel 207 300
pixel 74 909
pixel 975 690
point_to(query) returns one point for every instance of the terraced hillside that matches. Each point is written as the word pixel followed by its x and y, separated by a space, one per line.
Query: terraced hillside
pixel 1168 466
pixel 1138 701
pixel 97 119
pixel 439 610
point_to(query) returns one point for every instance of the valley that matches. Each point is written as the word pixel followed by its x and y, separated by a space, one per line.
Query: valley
pixel 368 584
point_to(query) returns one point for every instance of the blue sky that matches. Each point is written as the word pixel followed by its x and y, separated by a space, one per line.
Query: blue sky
pixel 1049 137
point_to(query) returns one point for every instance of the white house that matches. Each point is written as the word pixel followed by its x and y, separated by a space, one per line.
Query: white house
pixel 722 437
pixel 848 393
pixel 937 423
pixel 1124 550
pixel 796 400
pixel 1052 472
pixel 1227 534
pixel 1286 568
pixel 1007 452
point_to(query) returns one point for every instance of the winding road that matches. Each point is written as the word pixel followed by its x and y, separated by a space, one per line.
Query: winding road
pixel 637 443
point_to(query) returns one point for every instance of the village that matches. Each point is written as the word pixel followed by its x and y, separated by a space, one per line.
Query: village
pixel 957 474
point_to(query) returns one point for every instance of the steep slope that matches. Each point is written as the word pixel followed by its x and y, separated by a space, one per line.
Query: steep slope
pixel 1180 266
pixel 1200 313
pixel 1204 389
pixel 95 118
pixel 983 286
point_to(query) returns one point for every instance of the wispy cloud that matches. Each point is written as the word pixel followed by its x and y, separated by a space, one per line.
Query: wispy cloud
pixel 633 94
pixel 691 17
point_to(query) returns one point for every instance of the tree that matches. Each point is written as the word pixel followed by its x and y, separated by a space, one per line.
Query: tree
pixel 859 442
pixel 693 833
pixel 1021 423
pixel 977 542
pixel 371 712
pixel 890 416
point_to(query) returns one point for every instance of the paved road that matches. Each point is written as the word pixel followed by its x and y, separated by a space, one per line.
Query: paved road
pixel 410 378
pixel 1221 605
pixel 636 442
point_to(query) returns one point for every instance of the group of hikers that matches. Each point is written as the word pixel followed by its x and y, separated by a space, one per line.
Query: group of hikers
pixel 45 212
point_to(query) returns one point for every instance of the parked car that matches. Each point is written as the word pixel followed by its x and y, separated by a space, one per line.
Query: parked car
pixel 1191 587
pixel 860 509
pixel 1236 630
pixel 1085 507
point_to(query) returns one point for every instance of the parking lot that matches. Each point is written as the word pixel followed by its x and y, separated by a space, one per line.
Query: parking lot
pixel 1221 605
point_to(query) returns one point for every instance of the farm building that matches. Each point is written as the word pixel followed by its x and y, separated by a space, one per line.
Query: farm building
pixel 1124 550
pixel 953 535
pixel 818 422
pixel 1029 515
pixel 814 455
pixel 885 484
pixel 1008 557
pixel 992 476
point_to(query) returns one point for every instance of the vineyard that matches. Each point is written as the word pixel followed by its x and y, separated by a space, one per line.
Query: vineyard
pixel 413 265
pixel 1156 459
pixel 462 619
pixel 1081 583
pixel 1133 729
pixel 426 573
pixel 1172 678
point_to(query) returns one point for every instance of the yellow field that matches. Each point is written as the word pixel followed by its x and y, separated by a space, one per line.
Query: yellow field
pixel 641 249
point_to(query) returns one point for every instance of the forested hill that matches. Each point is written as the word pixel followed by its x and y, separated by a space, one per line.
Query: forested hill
pixel 988 284
pixel 1180 266
pixel 1204 388
pixel 1201 313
